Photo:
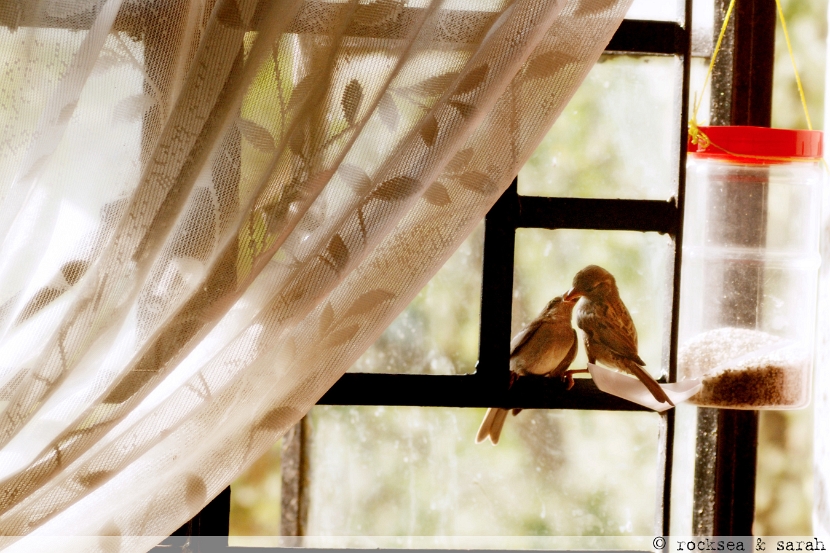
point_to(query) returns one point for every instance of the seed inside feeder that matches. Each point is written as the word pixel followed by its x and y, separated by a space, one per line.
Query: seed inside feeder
pixel 742 368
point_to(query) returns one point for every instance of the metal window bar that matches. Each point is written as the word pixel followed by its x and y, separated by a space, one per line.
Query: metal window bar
pixel 488 386
pixel 741 95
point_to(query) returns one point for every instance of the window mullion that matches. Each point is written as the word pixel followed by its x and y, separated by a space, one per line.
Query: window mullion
pixel 665 440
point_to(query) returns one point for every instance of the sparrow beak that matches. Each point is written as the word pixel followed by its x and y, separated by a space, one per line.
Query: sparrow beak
pixel 571 295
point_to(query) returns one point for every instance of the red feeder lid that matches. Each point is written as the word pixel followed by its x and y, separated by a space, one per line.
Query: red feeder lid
pixel 757 145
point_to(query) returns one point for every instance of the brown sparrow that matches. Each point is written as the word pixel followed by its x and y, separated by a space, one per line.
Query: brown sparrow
pixel 545 347
pixel 610 336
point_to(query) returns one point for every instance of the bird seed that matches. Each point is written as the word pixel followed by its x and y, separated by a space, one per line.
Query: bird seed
pixel 742 368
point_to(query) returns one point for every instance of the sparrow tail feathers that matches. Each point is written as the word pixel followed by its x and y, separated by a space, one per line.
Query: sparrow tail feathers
pixel 652 385
pixel 491 425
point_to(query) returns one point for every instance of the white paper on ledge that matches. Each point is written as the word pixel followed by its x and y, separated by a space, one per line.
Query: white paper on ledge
pixel 630 388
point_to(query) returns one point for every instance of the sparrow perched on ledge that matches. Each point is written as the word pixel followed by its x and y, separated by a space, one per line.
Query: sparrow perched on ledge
pixel 610 336
pixel 545 347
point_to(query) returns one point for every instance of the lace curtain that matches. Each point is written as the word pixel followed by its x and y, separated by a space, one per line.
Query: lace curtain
pixel 208 211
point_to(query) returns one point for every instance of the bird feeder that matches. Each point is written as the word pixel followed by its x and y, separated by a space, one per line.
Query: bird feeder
pixel 750 266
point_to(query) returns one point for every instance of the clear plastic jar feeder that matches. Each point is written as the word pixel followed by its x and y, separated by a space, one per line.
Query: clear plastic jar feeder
pixel 750 266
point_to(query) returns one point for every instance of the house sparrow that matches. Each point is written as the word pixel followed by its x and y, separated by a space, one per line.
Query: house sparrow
pixel 610 336
pixel 545 347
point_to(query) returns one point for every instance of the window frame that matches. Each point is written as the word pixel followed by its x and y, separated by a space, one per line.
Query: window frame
pixel 489 385
pixel 727 439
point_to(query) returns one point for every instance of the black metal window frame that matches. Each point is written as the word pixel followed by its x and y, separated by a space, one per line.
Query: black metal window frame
pixel 726 443
pixel 488 386
pixel 726 440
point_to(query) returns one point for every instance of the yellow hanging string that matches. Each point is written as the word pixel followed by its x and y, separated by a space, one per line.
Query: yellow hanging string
pixel 700 138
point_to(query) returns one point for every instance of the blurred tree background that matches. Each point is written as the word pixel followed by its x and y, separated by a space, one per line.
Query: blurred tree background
pixel 397 471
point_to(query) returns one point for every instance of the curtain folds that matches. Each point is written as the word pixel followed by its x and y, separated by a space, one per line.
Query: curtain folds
pixel 208 211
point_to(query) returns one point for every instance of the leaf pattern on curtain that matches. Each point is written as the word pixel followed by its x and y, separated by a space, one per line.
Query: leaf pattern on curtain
pixel 191 258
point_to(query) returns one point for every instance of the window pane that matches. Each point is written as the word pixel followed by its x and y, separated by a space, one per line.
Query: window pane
pixel 438 332
pixel 547 260
pixel 697 76
pixel 659 10
pixel 255 501
pixel 617 137
pixel 683 469
pixel 807 26
pixel 703 21
pixel 412 471
pixel 784 482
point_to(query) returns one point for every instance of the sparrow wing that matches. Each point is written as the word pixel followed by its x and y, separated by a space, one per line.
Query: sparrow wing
pixel 569 357
pixel 619 312
pixel 524 335
pixel 543 350
pixel 611 328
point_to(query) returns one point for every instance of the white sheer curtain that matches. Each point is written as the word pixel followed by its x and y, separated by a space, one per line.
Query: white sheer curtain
pixel 209 210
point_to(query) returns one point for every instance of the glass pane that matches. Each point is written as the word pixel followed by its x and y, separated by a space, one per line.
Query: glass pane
pixel 413 471
pixel 784 482
pixel 683 470
pixel 255 501
pixel 438 332
pixel 617 137
pixel 547 260
pixel 807 24
pixel 656 10
pixel 784 492
pixel 697 75
pixel 703 20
